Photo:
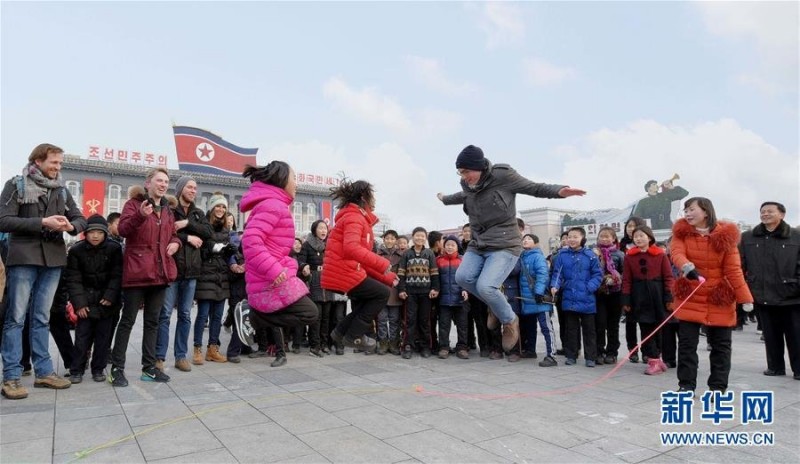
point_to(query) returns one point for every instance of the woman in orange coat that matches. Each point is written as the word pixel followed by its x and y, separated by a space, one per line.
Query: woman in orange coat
pixel 702 246
pixel 351 267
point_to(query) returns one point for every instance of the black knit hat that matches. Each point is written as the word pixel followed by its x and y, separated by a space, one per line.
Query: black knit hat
pixel 471 157
pixel 96 222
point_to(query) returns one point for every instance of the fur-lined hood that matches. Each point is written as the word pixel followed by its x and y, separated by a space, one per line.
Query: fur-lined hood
pixel 725 236
pixel 136 192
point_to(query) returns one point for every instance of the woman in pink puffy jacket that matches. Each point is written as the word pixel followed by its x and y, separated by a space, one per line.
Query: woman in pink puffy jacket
pixel 277 297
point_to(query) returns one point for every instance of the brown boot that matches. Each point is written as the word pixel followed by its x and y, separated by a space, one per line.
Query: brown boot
pixel 213 354
pixel 511 334
pixel 197 358
pixel 13 390
pixel 491 321
pixel 52 381
pixel 183 365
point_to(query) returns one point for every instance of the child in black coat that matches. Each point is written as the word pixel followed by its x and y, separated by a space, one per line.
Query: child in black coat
pixel 94 279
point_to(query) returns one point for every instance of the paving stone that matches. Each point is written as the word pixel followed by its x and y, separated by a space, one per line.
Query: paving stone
pixel 462 426
pixel 610 449
pixel 333 399
pixel 285 376
pixel 381 422
pixel 228 415
pixel 26 426
pixel 155 412
pixel 172 439
pixel 520 447
pixel 349 444
pixel 33 450
pixel 436 446
pixel 216 456
pixel 264 443
pixel 81 435
pixel 303 418
pixel 125 453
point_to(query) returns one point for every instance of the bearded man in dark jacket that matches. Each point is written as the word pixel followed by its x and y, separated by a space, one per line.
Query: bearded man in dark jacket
pixel 36 209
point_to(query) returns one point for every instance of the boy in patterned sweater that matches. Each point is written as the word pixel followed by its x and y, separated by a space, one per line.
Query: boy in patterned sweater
pixel 419 284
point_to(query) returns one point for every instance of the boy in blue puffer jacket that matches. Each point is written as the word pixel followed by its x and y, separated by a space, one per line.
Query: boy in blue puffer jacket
pixel 533 280
pixel 577 271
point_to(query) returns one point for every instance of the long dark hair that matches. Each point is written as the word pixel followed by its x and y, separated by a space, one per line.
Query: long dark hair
pixel 275 173
pixel 706 205
pixel 358 192
pixel 636 220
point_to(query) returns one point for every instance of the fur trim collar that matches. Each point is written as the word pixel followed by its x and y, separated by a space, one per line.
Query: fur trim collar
pixel 783 230
pixel 138 192
pixel 724 237
pixel 651 250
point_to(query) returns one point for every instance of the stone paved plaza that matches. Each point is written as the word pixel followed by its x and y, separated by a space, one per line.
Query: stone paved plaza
pixel 357 408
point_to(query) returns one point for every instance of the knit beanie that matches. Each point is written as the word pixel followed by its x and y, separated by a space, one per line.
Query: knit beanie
pixel 471 157
pixel 453 238
pixel 96 222
pixel 217 199
pixel 181 184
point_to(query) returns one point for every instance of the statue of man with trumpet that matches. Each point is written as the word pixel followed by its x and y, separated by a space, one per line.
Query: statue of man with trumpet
pixel 657 206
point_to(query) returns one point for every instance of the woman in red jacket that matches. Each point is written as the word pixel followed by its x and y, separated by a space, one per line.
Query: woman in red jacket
pixel 702 246
pixel 352 268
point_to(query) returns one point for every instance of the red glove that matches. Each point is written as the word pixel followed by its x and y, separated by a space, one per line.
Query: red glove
pixel 71 316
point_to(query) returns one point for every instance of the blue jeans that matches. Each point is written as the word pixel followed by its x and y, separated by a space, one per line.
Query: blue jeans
pixel 180 292
pixel 481 273
pixel 29 288
pixel 204 307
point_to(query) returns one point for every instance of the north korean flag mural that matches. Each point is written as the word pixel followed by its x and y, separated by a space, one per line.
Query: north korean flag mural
pixel 201 151
pixel 94 195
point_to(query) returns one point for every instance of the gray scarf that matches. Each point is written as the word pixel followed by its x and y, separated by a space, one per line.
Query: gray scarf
pixel 36 184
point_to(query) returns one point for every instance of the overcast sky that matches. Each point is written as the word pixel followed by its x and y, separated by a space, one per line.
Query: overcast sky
pixel 602 96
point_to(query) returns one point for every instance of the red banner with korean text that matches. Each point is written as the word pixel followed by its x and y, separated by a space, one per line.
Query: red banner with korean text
pixel 94 197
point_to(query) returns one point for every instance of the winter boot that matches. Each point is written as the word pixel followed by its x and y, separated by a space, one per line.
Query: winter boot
pixel 213 354
pixel 197 358
pixel 383 347
pixel 394 346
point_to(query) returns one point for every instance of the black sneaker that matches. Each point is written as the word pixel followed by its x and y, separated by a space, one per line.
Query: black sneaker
pixel 241 317
pixel 152 374
pixel 117 377
pixel 560 352
pixel 98 377
pixel 315 352
pixel 425 353
pixel 635 358
pixel 548 361
pixel 686 389
pixel 279 361
pixel 407 352
pixel 76 378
